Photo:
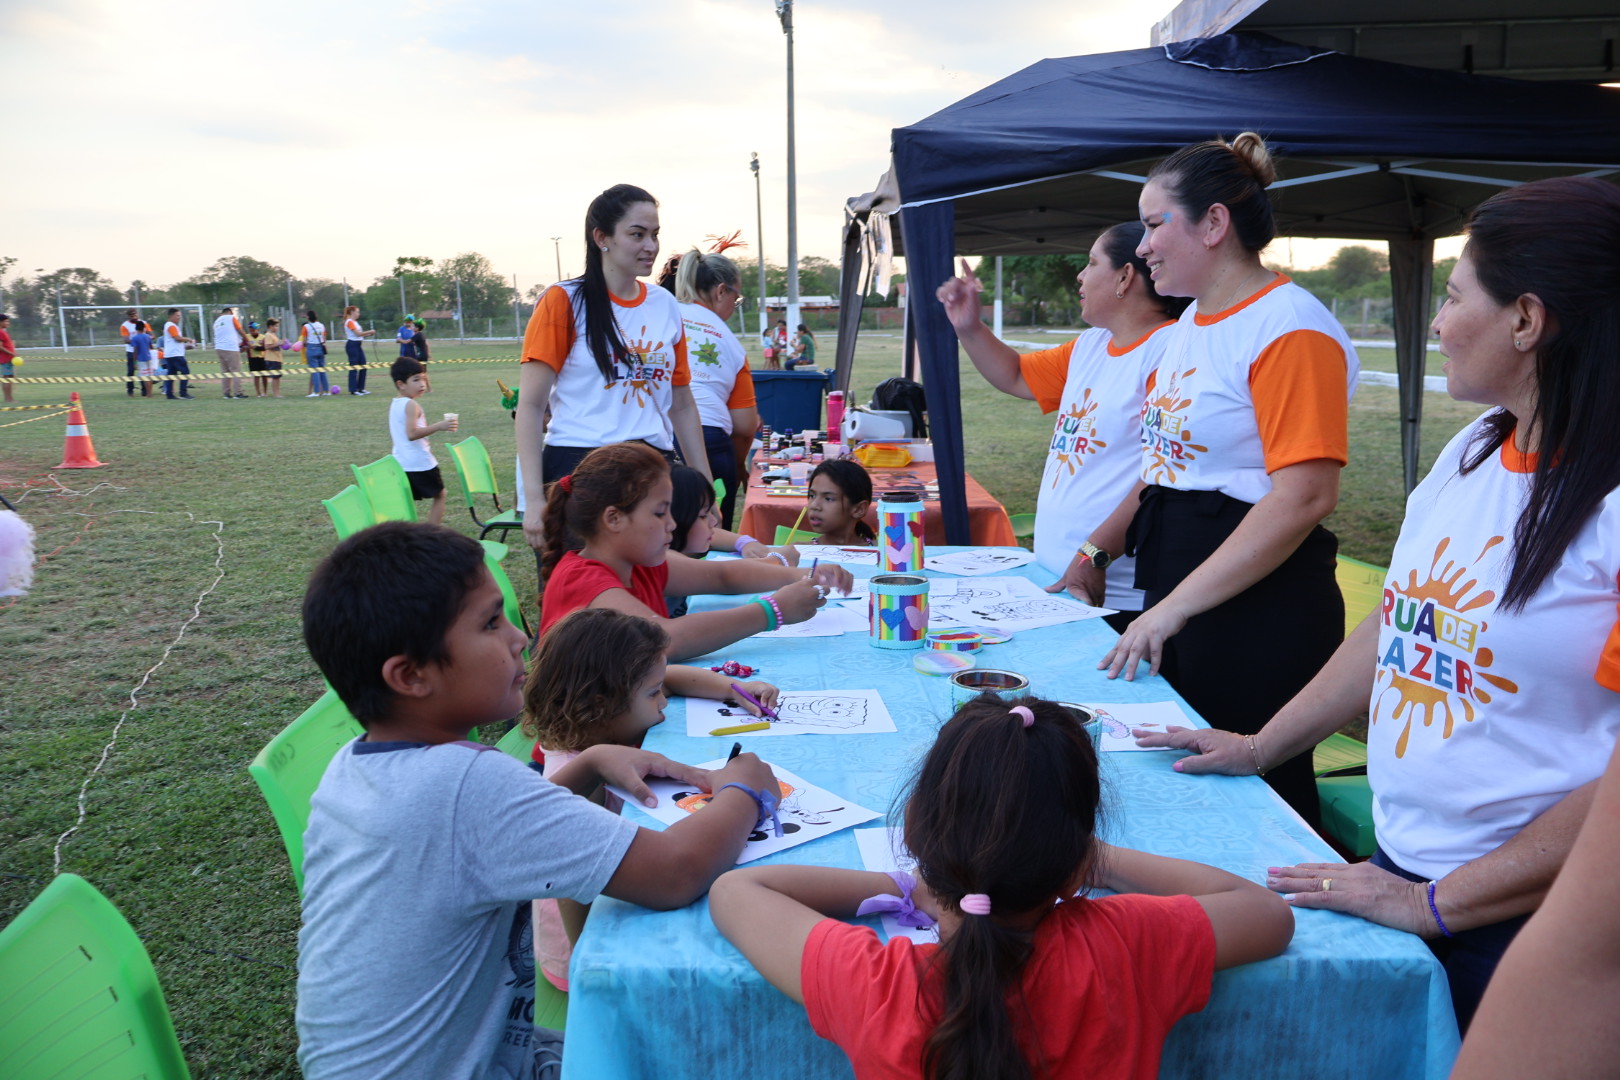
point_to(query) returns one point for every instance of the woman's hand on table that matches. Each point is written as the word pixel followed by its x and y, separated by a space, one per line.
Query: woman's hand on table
pixel 1214 750
pixel 1357 889
pixel 765 693
pixel 1083 581
pixel 1144 640
pixel 833 576
pixel 800 600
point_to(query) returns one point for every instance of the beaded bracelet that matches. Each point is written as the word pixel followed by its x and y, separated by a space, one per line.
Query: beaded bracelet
pixel 779 557
pixel 1254 755
pixel 771 600
pixel 772 618
pixel 766 803
pixel 1435 911
pixel 742 542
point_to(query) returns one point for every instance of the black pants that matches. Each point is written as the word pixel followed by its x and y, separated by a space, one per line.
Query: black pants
pixel 1238 663
pixel 723 465
pixel 176 365
pixel 129 374
pixel 1469 956
pixel 357 365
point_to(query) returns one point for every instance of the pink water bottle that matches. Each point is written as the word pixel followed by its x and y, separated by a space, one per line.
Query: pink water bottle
pixel 835 416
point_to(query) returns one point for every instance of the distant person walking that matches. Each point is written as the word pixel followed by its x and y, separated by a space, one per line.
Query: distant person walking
pixel 312 336
pixel 140 343
pixel 174 344
pixel 125 329
pixel 354 345
pixel 419 348
pixel 8 357
pixel 228 338
pixel 272 355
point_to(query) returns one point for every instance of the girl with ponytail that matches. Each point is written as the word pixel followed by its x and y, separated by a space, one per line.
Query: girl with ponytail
pixel 1029 979
pixel 604 358
pixel 709 289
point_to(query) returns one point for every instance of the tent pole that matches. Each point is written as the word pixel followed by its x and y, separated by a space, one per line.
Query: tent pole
pixel 1411 272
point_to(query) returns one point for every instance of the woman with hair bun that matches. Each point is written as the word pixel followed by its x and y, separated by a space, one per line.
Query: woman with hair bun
pixel 708 288
pixel 1244 432
pixel 604 357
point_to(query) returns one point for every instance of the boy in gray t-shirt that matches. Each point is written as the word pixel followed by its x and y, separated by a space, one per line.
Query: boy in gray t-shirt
pixel 423 850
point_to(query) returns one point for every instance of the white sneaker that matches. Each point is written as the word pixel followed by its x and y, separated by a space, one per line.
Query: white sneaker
pixel 312 394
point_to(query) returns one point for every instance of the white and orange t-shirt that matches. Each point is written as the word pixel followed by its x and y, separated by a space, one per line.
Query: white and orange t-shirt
pixel 721 380
pixel 172 345
pixel 351 330
pixel 634 403
pixel 1247 391
pixel 1097 388
pixel 125 330
pixel 1482 718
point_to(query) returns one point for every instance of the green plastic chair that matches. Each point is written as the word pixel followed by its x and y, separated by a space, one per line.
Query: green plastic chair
pixel 289 769
pixel 386 488
pixel 350 511
pixel 516 744
pixel 1339 754
pixel 514 610
pixel 1023 525
pixel 787 535
pixel 78 995
pixel 1362 585
pixel 477 475
pixel 1346 797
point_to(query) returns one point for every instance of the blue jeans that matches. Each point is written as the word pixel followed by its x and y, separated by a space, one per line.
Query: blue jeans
pixel 176 365
pixel 315 357
pixel 357 358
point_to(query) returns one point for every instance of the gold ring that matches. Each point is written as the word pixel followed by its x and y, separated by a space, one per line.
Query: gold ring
pixel 1327 884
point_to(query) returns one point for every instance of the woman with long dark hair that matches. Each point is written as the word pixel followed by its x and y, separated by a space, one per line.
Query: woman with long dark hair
pixel 1490 671
pixel 605 357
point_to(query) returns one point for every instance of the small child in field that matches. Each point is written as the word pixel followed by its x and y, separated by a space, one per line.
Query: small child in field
pixel 424 851
pixel 410 432
pixel 1029 979
pixel 599 679
pixel 617 504
pixel 840 498
pixel 141 344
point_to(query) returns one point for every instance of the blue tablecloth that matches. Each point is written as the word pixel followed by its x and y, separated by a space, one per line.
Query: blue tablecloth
pixel 663 994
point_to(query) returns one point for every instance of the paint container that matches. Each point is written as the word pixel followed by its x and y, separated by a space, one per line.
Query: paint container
pixel 1086 719
pixel 967 685
pixel 897 611
pixel 956 640
pixel 934 662
pixel 900 531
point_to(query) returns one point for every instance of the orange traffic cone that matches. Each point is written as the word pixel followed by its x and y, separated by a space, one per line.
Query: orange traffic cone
pixel 78 452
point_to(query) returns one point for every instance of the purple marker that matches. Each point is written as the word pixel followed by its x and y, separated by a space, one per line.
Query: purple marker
pixel 764 710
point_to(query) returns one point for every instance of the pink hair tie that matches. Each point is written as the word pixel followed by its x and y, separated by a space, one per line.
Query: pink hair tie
pixel 1028 718
pixel 977 903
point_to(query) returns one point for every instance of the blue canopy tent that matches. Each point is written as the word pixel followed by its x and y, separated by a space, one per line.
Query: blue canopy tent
pixel 1043 160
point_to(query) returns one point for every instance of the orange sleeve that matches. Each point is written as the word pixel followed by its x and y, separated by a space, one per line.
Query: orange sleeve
pixel 742 391
pixel 1301 404
pixel 303 332
pixel 238 324
pixel 353 324
pixel 551 330
pixel 1045 372
pixel 682 375
pixel 123 331
pixel 173 332
pixel 1608 669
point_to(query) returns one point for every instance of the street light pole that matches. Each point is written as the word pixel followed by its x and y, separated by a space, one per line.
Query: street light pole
pixel 759 216
pixel 784 11
pixel 556 249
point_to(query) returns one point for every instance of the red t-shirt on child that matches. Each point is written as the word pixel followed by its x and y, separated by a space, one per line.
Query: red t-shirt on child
pixel 1107 981
pixel 578 581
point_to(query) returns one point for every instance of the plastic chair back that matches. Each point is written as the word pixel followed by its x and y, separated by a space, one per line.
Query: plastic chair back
pixel 477 475
pixel 78 995
pixel 785 534
pixel 517 744
pixel 350 511
pixel 1362 585
pixel 1339 753
pixel 492 559
pixel 386 488
pixel 289 769
pixel 1023 525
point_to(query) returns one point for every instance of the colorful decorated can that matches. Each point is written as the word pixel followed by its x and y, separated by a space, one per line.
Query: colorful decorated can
pixel 900 531
pixel 967 685
pixel 955 640
pixel 1087 720
pixel 897 609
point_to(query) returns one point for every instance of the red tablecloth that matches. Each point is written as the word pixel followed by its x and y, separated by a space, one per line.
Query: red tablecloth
pixel 987 519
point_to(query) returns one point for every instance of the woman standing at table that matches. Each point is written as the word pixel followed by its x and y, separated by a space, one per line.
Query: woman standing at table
pixel 1098 381
pixel 1243 434
pixel 1494 661
pixel 708 288
pixel 607 357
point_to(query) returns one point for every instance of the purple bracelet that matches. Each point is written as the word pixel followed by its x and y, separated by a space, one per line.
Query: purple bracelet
pixel 1435 911
pixel 742 542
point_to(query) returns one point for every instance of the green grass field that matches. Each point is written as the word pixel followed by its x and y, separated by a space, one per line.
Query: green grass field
pixel 175 832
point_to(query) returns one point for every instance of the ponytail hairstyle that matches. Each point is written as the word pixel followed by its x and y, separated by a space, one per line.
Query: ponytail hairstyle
pixel 312 317
pixel 618 475
pixel 583 674
pixel 1559 241
pixel 1234 174
pixel 701 274
pixel 1007 811
pixel 602 336
pixel 854 481
pixel 693 497
pixel 1119 243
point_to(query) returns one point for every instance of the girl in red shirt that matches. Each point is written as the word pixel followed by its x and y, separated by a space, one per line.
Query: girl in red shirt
pixel 1029 979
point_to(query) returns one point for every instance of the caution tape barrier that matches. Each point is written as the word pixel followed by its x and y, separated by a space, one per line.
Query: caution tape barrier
pixel 31 419
pixel 333 369
pixel 30 408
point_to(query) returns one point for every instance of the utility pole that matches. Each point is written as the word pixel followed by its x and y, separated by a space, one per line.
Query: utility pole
pixel 517 315
pixel 403 310
pixel 556 249
pixel 345 293
pixel 784 11
pixel 291 312
pixel 759 215
pixel 461 327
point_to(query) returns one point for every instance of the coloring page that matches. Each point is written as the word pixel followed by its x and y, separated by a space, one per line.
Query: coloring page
pixel 884 850
pixel 1118 721
pixel 799 712
pixel 806 811
pixel 936 587
pixel 829 621
pixel 854 556
pixel 979 561
pixel 1007 604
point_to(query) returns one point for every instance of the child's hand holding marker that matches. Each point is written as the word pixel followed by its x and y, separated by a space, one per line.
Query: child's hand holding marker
pixel 758 697
pixel 832 576
pixel 626 768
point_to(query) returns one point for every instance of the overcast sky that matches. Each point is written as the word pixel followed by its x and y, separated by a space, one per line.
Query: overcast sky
pixel 330 136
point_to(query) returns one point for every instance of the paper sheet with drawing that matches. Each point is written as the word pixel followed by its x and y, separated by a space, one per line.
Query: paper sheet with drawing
pixel 979 561
pixel 806 811
pixel 883 850
pixel 854 556
pixel 1119 720
pixel 799 712
pixel 1009 604
pixel 829 621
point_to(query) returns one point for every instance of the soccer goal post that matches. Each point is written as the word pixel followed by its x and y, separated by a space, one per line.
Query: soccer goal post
pixel 187 311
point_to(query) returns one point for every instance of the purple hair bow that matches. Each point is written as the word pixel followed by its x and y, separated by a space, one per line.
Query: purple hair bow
pixel 904 911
